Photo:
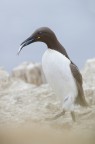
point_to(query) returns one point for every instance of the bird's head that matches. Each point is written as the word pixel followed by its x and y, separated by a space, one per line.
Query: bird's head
pixel 42 34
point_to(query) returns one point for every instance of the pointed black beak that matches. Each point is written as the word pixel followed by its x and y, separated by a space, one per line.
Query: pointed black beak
pixel 25 43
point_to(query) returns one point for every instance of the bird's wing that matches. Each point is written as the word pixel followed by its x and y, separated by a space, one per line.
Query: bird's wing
pixel 78 78
pixel 75 71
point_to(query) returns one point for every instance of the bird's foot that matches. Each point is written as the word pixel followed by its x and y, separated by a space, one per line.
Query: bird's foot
pixel 56 116
pixel 73 116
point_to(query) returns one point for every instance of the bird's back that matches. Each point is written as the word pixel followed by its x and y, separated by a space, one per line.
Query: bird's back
pixel 80 99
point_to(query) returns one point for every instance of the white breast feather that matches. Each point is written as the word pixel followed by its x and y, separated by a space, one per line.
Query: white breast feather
pixel 57 70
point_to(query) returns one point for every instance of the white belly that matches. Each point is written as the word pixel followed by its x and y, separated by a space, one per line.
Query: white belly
pixel 56 68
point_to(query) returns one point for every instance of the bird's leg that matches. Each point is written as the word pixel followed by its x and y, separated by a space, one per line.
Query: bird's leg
pixel 73 116
pixel 57 116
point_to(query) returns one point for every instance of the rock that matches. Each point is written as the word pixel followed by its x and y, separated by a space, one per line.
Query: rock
pixel 3 74
pixel 89 73
pixel 22 103
pixel 34 74
pixel 20 71
pixel 30 73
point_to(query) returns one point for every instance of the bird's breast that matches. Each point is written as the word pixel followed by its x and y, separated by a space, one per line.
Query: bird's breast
pixel 57 71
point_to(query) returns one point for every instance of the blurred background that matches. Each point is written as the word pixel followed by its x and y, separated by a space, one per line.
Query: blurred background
pixel 73 21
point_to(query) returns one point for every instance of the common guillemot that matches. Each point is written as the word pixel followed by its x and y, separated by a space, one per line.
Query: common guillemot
pixel 61 73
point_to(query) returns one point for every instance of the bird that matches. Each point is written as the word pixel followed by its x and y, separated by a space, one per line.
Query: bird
pixel 61 73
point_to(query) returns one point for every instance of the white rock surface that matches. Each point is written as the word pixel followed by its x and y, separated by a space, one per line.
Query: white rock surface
pixel 89 73
pixel 30 73
pixel 22 102
pixel 3 73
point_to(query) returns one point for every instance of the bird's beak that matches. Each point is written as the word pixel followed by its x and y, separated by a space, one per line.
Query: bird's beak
pixel 25 43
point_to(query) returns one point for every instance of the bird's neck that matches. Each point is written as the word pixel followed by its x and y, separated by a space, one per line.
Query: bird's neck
pixel 56 45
